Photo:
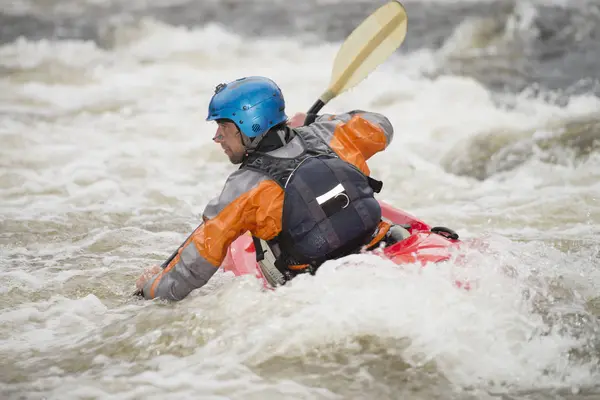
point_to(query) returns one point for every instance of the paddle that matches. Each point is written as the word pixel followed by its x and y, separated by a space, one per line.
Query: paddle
pixel 370 44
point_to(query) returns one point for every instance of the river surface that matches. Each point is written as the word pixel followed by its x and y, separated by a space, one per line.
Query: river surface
pixel 106 164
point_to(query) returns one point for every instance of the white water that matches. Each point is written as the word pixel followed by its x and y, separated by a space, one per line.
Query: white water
pixel 106 164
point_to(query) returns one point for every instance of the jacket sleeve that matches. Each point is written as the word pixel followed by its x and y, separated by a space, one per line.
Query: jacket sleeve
pixel 355 136
pixel 249 202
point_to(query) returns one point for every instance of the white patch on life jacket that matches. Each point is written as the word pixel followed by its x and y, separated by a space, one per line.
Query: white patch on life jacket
pixel 331 194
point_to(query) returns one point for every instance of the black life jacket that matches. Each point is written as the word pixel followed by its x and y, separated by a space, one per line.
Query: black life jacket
pixel 329 208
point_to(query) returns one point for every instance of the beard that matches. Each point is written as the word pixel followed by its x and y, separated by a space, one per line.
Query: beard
pixel 236 159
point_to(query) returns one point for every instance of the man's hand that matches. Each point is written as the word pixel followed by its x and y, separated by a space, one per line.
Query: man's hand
pixel 297 120
pixel 148 273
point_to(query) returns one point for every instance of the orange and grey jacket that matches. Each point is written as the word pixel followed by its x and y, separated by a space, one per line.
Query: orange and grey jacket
pixel 251 201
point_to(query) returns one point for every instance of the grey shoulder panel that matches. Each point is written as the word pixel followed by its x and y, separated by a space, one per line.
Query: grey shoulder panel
pixel 291 150
pixel 318 135
pixel 238 183
pixel 325 125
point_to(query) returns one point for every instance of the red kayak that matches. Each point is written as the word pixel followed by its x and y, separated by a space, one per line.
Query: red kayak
pixel 424 245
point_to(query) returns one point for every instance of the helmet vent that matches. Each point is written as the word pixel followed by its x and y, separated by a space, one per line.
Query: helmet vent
pixel 220 87
pixel 255 128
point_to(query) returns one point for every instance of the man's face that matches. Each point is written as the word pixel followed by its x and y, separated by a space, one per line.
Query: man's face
pixel 230 138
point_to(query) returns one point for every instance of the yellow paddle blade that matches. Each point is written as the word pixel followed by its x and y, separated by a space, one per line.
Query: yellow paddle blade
pixel 371 43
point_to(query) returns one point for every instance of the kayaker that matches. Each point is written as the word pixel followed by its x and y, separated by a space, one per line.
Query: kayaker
pixel 320 171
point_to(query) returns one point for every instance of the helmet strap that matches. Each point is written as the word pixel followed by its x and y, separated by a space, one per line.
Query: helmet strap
pixel 246 141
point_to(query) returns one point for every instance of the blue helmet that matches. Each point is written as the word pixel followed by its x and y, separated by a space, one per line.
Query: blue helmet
pixel 255 104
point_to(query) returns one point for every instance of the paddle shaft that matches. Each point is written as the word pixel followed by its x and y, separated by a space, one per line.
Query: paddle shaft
pixel 311 115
